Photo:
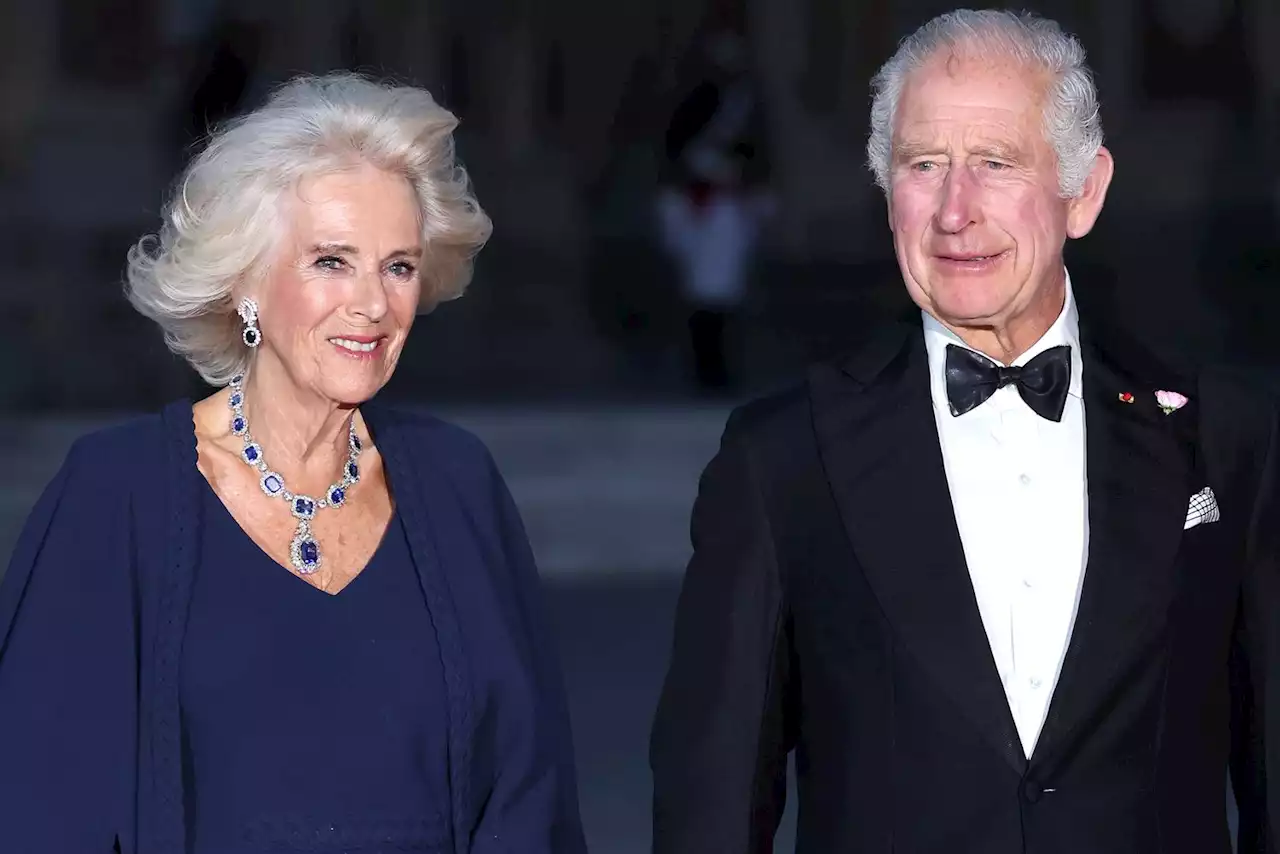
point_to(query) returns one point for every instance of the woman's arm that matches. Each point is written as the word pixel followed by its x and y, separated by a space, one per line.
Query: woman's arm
pixel 532 807
pixel 68 664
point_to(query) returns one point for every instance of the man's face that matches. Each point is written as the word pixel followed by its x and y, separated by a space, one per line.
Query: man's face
pixel 978 221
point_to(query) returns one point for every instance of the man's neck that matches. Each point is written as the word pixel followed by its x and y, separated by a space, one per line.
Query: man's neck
pixel 1006 341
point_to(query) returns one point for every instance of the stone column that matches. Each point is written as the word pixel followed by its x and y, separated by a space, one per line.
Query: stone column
pixel 1112 45
pixel 513 78
pixel 869 40
pixel 28 74
pixel 28 70
pixel 779 47
pixel 822 188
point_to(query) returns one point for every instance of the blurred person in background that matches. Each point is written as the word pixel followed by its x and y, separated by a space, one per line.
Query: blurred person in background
pixel 714 198
pixel 980 626
pixel 286 616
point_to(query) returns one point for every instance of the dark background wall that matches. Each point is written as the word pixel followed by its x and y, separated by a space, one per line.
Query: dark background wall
pixel 568 354
pixel 563 104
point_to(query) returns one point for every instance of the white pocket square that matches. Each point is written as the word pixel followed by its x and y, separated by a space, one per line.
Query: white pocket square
pixel 1203 509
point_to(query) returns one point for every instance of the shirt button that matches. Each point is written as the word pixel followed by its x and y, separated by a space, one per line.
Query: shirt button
pixel 1024 479
pixel 1035 683
pixel 1028 583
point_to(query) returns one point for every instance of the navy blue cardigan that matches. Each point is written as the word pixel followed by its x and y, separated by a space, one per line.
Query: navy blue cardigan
pixel 93 610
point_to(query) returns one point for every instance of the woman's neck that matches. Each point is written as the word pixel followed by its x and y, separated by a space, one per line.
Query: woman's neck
pixel 303 435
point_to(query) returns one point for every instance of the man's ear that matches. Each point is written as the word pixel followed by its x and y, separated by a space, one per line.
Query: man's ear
pixel 1084 209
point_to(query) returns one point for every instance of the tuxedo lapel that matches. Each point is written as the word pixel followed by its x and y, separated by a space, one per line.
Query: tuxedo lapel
pixel 1140 465
pixel 879 444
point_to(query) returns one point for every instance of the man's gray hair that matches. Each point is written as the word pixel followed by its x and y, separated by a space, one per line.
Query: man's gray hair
pixel 1072 124
pixel 225 215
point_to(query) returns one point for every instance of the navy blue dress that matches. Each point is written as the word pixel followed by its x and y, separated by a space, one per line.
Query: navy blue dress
pixel 313 721
pixel 164 685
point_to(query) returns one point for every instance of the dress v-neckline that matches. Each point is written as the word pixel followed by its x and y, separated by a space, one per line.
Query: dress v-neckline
pixel 256 548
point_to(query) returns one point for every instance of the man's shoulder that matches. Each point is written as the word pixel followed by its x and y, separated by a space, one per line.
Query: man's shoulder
pixel 1245 395
pixel 772 435
pixel 1257 381
pixel 770 428
pixel 1248 383
pixel 767 414
pixel 861 363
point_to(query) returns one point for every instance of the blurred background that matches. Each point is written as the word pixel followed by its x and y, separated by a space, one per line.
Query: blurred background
pixel 625 302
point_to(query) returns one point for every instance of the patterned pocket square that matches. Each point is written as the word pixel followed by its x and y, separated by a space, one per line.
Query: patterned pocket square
pixel 1203 509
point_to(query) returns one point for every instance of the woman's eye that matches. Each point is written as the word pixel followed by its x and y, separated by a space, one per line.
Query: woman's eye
pixel 402 269
pixel 330 262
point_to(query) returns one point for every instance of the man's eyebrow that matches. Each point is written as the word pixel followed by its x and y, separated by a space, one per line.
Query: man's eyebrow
pixel 914 148
pixel 1001 151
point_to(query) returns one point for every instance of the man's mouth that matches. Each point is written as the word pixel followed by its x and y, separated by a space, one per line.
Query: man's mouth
pixel 964 258
pixel 971 259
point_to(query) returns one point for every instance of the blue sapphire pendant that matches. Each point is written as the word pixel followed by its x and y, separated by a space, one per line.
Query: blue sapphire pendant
pixel 304 551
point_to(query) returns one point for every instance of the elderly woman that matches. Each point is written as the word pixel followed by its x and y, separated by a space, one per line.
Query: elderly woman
pixel 284 617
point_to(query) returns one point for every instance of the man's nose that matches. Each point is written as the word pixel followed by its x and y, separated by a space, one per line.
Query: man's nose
pixel 958 207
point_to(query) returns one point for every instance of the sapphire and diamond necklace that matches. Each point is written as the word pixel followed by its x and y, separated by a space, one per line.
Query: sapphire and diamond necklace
pixel 304 551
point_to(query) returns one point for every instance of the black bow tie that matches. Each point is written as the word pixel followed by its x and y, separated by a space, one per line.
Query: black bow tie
pixel 1042 382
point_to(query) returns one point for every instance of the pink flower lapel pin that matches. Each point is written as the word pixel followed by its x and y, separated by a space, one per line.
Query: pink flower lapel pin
pixel 1170 401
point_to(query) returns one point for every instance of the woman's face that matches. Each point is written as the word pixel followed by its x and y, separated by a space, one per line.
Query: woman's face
pixel 341 290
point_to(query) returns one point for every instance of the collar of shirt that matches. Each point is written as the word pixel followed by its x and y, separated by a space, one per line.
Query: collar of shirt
pixel 1065 330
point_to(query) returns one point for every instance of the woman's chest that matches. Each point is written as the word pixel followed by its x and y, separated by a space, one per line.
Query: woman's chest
pixel 306 710
pixel 328 545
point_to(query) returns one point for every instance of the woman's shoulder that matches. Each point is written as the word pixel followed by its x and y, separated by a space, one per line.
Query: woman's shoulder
pixel 143 454
pixel 84 509
pixel 443 458
pixel 128 445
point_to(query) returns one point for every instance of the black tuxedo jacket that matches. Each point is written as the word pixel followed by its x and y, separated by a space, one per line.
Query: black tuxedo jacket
pixel 828 610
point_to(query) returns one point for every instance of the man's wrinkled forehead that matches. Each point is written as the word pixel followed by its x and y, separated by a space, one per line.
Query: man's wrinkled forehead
pixel 994 96
pixel 987 50
pixel 982 62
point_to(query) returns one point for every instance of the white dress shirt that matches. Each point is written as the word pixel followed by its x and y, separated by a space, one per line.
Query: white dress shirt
pixel 1018 489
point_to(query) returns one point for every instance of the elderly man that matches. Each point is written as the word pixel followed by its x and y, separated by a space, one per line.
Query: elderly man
pixel 1001 580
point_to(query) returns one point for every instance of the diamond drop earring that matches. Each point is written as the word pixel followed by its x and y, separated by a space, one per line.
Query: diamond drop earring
pixel 249 314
